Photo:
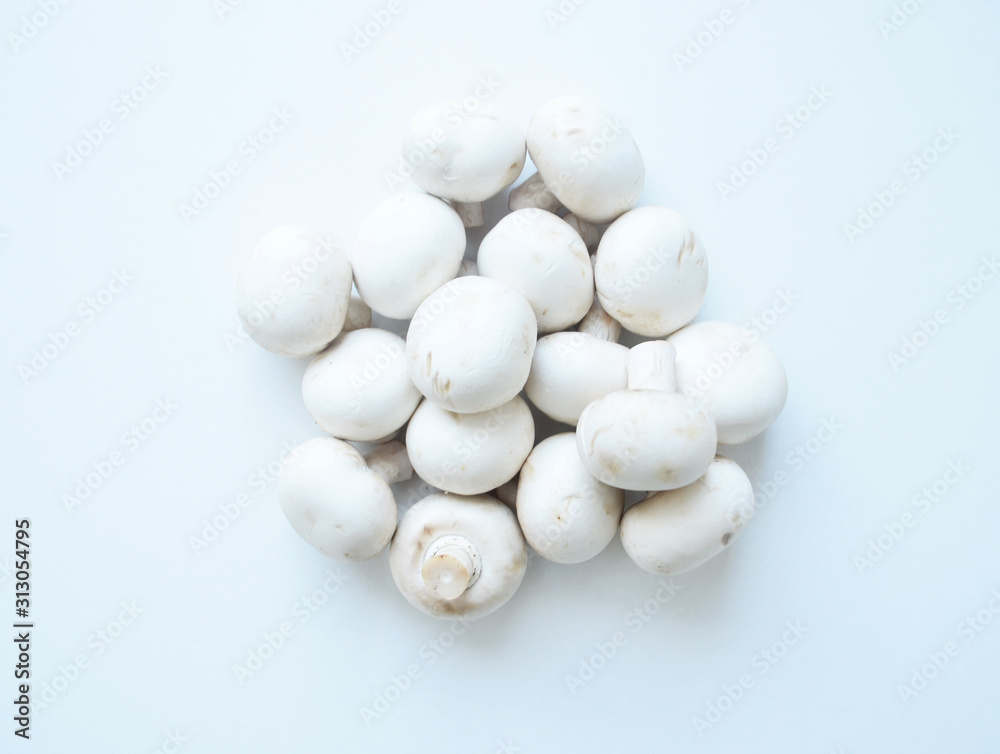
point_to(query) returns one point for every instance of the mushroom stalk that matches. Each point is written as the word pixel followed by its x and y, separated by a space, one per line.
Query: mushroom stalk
pixel 451 565
pixel 650 366
pixel 589 232
pixel 533 193
pixel 506 493
pixel 470 212
pixel 359 314
pixel 467 268
pixel 390 462
pixel 598 322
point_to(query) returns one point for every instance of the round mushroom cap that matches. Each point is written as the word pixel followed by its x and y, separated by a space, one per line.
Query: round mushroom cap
pixel 335 502
pixel 407 247
pixel 674 531
pixel 293 292
pixel 734 374
pixel 542 257
pixel 470 343
pixel 359 388
pixel 571 370
pixel 646 439
pixel 586 157
pixel 490 529
pixel 469 453
pixel 566 514
pixel 651 271
pixel 462 154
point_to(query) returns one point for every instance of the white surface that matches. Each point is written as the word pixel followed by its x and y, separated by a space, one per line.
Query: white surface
pixel 502 685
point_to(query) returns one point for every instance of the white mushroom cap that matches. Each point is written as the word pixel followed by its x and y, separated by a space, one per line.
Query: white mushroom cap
pixel 359 388
pixel 567 515
pixel 734 374
pixel 470 343
pixel 335 501
pixel 293 292
pixel 541 256
pixel 674 531
pixel 586 157
pixel 646 438
pixel 651 272
pixel 467 156
pixel 470 453
pixel 407 247
pixel 573 369
pixel 458 557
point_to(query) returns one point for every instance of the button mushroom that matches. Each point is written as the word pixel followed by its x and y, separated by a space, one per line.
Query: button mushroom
pixel 458 557
pixel 585 158
pixel 466 157
pixel 469 345
pixel 647 437
pixel 470 453
pixel 359 388
pixel 293 292
pixel 407 247
pixel 339 501
pixel 734 374
pixel 566 514
pixel 674 531
pixel 542 257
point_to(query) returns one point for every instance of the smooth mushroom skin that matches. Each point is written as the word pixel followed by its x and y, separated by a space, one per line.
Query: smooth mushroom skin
pixel 469 454
pixel 542 257
pixel 734 374
pixel 359 388
pixel 674 531
pixel 566 514
pixel 469 344
pixel 651 271
pixel 407 247
pixel 490 530
pixel 335 502
pixel 293 292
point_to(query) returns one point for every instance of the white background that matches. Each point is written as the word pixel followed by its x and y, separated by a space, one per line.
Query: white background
pixel 502 684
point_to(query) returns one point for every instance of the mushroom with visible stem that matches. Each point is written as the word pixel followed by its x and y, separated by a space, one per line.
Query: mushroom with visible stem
pixel 407 247
pixel 469 344
pixel 359 388
pixel 673 531
pixel 734 374
pixel 586 159
pixel 458 557
pixel 338 500
pixel 470 454
pixel 647 437
pixel 542 257
pixel 566 514
pixel 294 291
pixel 465 156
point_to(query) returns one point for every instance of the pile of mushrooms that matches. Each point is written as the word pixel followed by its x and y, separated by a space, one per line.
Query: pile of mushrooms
pixel 530 327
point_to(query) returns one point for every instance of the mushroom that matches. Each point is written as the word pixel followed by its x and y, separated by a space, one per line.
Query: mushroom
pixel 359 388
pixel 647 437
pixel 339 501
pixel 407 247
pixel 293 292
pixel 651 271
pixel 458 557
pixel 465 157
pixel 542 257
pixel 359 314
pixel 589 232
pixel 586 159
pixel 470 343
pixel 566 514
pixel 674 531
pixel 470 454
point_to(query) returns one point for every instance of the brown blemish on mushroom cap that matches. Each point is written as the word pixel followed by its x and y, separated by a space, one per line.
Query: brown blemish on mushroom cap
pixel 726 537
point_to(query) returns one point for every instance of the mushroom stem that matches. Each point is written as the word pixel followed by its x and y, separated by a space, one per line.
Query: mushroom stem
pixel 359 314
pixel 598 322
pixel 390 462
pixel 470 212
pixel 468 267
pixel 451 565
pixel 589 232
pixel 650 366
pixel 506 493
pixel 533 193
